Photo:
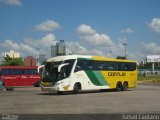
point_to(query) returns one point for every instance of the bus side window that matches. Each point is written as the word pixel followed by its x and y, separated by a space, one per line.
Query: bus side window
pixel 35 72
pixel 15 72
pixel 120 66
pixel 5 72
pixel 101 65
pixel 80 65
pixel 26 72
pixel 110 65
pixel 91 65
pixel 132 66
pixel 127 66
pixel 30 71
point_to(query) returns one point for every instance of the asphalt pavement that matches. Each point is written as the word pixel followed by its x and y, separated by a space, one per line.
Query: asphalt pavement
pixel 31 100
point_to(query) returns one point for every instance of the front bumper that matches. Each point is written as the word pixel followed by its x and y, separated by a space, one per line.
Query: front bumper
pixel 47 86
pixel 49 89
pixel 52 88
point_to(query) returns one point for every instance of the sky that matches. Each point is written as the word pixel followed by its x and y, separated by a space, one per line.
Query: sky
pixel 88 27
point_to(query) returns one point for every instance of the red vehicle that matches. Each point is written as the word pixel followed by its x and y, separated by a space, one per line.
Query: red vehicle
pixel 19 76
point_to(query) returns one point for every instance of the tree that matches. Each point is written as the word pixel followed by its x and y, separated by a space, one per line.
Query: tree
pixel 8 61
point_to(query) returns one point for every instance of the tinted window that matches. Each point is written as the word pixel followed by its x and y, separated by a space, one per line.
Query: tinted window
pixel 71 62
pixel 5 72
pixel 26 72
pixel 19 71
pixel 121 67
pixel 132 66
pixel 30 71
pixel 110 66
pixel 126 66
pixel 91 65
pixel 35 71
pixel 15 72
pixel 64 73
pixel 101 65
pixel 80 65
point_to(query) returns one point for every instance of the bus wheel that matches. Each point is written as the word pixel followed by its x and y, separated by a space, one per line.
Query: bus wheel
pixel 76 88
pixel 125 86
pixel 119 86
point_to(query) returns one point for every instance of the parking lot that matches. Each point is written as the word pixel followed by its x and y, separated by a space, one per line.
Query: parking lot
pixel 31 100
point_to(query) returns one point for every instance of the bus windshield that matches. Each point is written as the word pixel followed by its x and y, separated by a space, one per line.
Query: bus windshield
pixel 51 73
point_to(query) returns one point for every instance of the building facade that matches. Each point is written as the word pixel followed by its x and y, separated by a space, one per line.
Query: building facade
pixel 42 58
pixel 12 54
pixel 30 61
pixel 58 49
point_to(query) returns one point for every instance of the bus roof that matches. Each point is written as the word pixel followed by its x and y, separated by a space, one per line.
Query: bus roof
pixel 87 57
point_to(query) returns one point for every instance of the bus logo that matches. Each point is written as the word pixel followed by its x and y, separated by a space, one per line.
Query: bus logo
pixel 116 74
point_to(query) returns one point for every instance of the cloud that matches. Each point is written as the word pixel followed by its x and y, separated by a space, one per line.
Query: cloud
pixel 154 25
pixel 143 49
pixel 77 48
pixel 19 47
pixel 47 26
pixel 28 49
pixel 29 46
pixel 12 2
pixel 149 48
pixel 123 40
pixel 91 42
pixel 44 42
pixel 127 30
pixel 10 44
pixel 85 30
pixel 89 36
pixel 95 43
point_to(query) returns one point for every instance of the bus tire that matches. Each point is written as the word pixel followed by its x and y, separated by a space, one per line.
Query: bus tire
pixel 76 88
pixel 125 86
pixel 119 86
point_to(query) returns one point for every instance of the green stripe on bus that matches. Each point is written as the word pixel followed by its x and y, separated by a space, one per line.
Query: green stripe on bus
pixel 100 77
pixel 93 78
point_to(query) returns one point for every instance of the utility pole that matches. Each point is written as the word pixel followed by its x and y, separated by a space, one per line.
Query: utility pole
pixel 125 48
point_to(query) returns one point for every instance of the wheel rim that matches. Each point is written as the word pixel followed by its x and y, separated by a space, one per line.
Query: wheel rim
pixel 125 86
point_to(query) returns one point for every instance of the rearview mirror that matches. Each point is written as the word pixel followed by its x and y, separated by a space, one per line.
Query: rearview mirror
pixel 60 66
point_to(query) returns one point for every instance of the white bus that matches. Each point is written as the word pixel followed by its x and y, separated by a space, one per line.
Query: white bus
pixel 81 72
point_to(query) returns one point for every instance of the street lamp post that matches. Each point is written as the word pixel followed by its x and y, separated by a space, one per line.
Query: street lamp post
pixel 38 56
pixel 125 48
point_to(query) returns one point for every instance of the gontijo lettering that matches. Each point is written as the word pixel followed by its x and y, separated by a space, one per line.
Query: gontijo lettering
pixel 116 74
